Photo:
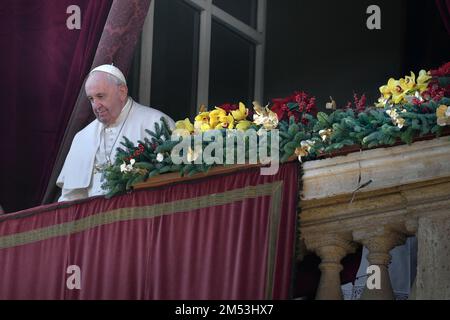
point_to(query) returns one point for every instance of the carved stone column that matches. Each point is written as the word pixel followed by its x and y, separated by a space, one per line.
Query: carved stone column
pixel 331 248
pixel 433 269
pixel 379 243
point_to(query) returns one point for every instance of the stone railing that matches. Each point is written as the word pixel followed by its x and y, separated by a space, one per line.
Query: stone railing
pixel 403 191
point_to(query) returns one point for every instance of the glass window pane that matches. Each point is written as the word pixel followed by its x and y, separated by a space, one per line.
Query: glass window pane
pixel 175 58
pixel 232 66
pixel 244 10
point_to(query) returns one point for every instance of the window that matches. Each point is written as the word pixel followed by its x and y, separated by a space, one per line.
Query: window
pixel 196 52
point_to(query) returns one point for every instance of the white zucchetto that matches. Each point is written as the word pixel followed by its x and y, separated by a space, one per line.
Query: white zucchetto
pixel 109 68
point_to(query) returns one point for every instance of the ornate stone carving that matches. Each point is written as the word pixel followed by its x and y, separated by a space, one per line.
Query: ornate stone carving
pixel 410 183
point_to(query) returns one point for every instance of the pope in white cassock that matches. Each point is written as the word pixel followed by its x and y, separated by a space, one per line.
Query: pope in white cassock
pixel 94 147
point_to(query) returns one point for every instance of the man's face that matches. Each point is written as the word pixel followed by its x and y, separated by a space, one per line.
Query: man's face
pixel 107 98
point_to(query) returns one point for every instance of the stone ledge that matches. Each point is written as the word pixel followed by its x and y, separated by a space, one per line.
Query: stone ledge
pixel 386 167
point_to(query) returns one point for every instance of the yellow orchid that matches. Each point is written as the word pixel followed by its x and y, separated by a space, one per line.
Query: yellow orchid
pixel 243 125
pixel 185 125
pixel 396 90
pixel 422 80
pixel 202 117
pixel 241 113
pixel 215 115
pixel 398 97
pixel 201 126
pixel 225 122
pixel 385 91
pixel 404 89
pixel 202 122
pixel 408 83
pixel 443 115
pixel 382 101
pixel 388 89
pixel 181 133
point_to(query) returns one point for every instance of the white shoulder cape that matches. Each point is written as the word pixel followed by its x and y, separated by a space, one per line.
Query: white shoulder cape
pixel 78 167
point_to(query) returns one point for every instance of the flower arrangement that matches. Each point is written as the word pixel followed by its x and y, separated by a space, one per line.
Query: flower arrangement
pixel 223 117
pixel 407 108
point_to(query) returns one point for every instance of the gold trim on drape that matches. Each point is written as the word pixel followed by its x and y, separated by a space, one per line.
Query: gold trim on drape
pixel 133 213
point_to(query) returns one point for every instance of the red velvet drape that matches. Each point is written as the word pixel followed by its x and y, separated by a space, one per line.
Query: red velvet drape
pixel 223 237
pixel 43 65
pixel 444 10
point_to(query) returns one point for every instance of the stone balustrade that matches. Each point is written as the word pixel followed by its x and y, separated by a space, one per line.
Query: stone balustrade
pixel 377 198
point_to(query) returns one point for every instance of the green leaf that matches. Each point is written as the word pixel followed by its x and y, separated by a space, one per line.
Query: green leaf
pixel 153 173
pixel 192 172
pixel 165 169
pixel 292 105
pixel 373 144
pixel 407 135
pixel 415 124
pixel 285 157
pixel 284 135
pixel 138 179
pixel 290 147
pixel 435 128
pixel 371 137
pixel 323 118
pixel 299 136
pixel 144 165
pixel 425 128
pixel 293 129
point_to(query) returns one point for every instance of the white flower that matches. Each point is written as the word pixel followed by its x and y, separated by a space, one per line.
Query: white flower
pixel 159 157
pixel 264 116
pixel 127 167
pixel 303 150
pixel 410 98
pixel 396 119
pixel 325 134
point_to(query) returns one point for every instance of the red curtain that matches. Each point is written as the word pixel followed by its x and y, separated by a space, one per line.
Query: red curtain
pixel 43 65
pixel 223 237
pixel 444 10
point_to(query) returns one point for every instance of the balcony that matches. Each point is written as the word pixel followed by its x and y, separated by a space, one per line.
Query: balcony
pixel 377 198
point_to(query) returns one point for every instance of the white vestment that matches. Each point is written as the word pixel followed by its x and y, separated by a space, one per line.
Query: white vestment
pixel 92 145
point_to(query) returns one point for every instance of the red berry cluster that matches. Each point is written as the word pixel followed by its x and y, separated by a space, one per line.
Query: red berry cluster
pixel 442 71
pixel 136 153
pixel 305 103
pixel 434 92
pixel 359 103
